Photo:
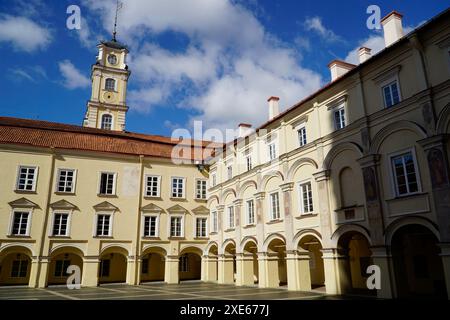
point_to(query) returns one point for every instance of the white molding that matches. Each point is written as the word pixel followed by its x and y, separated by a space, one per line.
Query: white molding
pixel 169 225
pixel 184 187
pixel 158 185
pixel 74 183
pixel 157 223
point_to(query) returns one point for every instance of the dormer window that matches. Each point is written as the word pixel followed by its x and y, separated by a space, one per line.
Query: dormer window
pixel 110 84
pixel 106 122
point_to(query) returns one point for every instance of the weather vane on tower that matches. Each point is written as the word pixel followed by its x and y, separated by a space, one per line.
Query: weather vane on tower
pixel 118 7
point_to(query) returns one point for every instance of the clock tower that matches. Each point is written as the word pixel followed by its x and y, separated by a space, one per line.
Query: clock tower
pixel 107 107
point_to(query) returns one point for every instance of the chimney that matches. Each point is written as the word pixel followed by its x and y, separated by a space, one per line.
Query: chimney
pixel 364 54
pixel 244 130
pixel 392 27
pixel 339 68
pixel 274 109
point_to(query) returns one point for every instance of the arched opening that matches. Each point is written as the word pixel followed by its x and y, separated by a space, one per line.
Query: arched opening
pixel 113 266
pixel 355 252
pixel 211 264
pixel 60 260
pixel 106 123
pixel 190 264
pixel 15 267
pixel 316 268
pixel 110 84
pixel 153 265
pixel 230 254
pixel 417 265
pixel 277 268
pixel 250 264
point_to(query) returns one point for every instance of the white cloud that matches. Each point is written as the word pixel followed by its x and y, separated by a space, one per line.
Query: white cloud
pixel 20 74
pixel 23 34
pixel 226 71
pixel 73 78
pixel 315 24
pixel 30 73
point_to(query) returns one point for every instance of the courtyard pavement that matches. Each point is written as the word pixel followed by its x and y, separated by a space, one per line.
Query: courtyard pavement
pixel 162 291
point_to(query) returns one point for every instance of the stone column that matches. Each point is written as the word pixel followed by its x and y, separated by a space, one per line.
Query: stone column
pixel 445 256
pixel 226 272
pixel 268 270
pixel 90 272
pixel 238 225
pixel 138 270
pixel 298 273
pixel 209 268
pixel 288 218
pixel 131 271
pixel 342 263
pixel 321 178
pixel 245 274
pixel 171 274
pixel 330 270
pixel 382 258
pixel 259 217
pixel 43 275
pixel 32 283
pixel 220 224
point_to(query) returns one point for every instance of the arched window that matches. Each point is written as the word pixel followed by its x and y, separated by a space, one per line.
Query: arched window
pixel 107 122
pixel 110 84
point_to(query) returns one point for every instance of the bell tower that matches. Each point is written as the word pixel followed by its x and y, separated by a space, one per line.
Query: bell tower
pixel 107 107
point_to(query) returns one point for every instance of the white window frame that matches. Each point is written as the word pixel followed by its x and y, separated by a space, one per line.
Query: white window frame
pixel 387 83
pixel 158 187
pixel 35 177
pixel 11 222
pixel 300 191
pixel 206 226
pixel 338 109
pixel 155 215
pixel 214 221
pixel 301 143
pixel 69 222
pixel 393 176
pixel 58 177
pixel 169 225
pixel 271 208
pixel 196 189
pixel 100 183
pixel 115 84
pixel 111 222
pixel 101 120
pixel 272 151
pixel 248 162
pixel 183 196
pixel 229 220
pixel 247 212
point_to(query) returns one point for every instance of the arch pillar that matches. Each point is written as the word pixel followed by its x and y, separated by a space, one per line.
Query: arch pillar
pixel 445 256
pixel 383 259
pixel 268 270
pixel 244 268
pixel 43 274
pixel 90 272
pixel 131 271
pixel 322 178
pixel 225 269
pixel 332 264
pixel 298 273
pixel 288 218
pixel 171 274
pixel 33 282
pixel 209 269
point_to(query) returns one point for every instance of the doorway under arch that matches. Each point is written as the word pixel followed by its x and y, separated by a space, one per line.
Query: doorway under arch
pixel 312 244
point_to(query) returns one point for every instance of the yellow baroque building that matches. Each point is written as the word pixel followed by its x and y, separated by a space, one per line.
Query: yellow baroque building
pixel 354 176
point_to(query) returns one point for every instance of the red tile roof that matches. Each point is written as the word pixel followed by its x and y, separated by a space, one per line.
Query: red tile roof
pixel 63 136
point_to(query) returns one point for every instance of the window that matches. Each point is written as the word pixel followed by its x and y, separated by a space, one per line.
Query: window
pixel 391 94
pixel 229 172
pixel 144 268
pixel 110 84
pixel 177 187
pixel 150 226
pixel 200 189
pixel 215 221
pixel 107 183
pixel 184 263
pixel 66 181
pixel 272 151
pixel 250 212
pixel 26 180
pixel 103 270
pixel 306 197
pixel 249 163
pixel 230 217
pixel 20 225
pixel 302 136
pixel 19 269
pixel 214 179
pixel 103 225
pixel 339 118
pixel 175 226
pixel 61 267
pixel 152 186
pixel 274 206
pixel 405 174
pixel 106 122
pixel 201 228
pixel 60 222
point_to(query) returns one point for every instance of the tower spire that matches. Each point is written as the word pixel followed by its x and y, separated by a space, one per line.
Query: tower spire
pixel 118 7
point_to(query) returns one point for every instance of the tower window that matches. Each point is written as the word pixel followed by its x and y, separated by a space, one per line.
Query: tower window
pixel 107 122
pixel 110 84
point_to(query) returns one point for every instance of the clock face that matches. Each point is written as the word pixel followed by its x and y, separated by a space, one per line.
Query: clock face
pixel 112 59
pixel 109 97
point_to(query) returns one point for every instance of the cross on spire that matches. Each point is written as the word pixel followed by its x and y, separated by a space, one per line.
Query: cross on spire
pixel 118 7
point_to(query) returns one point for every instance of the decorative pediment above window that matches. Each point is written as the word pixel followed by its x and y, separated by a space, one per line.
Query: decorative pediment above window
pixel 152 208
pixel 63 204
pixel 338 101
pixel 387 74
pixel 106 206
pixel 201 210
pixel 177 209
pixel 23 203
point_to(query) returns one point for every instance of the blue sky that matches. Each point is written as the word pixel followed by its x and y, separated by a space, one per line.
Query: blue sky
pixel 211 60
